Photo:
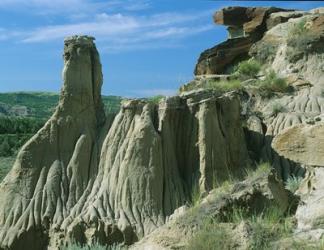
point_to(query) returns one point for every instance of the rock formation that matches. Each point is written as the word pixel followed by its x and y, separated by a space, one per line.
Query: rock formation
pixel 255 193
pixel 252 21
pixel 304 144
pixel 290 138
pixel 88 178
pixel 83 178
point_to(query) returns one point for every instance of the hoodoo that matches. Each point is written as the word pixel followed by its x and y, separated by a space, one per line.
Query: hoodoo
pixel 83 178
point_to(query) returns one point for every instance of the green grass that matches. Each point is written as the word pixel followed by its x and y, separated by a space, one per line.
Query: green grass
pixel 273 83
pixel 300 39
pixel 267 227
pixel 6 164
pixel 277 108
pixel 94 247
pixel 261 168
pixel 212 236
pixel 224 86
pixel 248 69
pixel 293 183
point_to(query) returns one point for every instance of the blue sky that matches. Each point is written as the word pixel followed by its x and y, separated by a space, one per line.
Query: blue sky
pixel 147 47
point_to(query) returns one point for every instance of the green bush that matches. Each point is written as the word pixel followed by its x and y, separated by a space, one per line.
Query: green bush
pixel 293 183
pixel 267 227
pixel 11 143
pixel 272 83
pixel 224 86
pixel 211 236
pixel 299 41
pixel 261 168
pixel 277 108
pixel 248 69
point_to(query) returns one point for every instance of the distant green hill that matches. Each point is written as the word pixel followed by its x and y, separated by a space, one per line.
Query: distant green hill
pixel 42 104
pixel 22 114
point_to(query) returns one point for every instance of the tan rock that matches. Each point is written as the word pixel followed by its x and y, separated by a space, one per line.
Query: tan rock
pixel 83 179
pixel 302 143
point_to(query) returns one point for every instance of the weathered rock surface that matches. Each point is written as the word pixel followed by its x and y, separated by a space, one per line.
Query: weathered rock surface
pixel 251 19
pixel 304 144
pixel 83 178
pixel 254 194
pixel 253 22
pixel 53 169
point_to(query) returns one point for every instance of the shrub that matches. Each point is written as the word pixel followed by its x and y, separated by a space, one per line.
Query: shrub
pixel 299 40
pixel 248 69
pixel 263 51
pixel 267 227
pixel 273 83
pixel 224 86
pixel 277 108
pixel 293 183
pixel 263 167
pixel 210 237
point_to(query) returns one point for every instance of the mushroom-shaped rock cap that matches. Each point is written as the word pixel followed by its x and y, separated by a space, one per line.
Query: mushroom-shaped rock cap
pixel 247 17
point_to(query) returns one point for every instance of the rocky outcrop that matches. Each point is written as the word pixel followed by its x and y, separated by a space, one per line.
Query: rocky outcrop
pixel 304 144
pixel 252 21
pixel 254 194
pixel 86 178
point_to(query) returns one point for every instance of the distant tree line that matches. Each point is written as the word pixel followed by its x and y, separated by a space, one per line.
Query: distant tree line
pixel 15 131
pixel 18 125
pixel 10 144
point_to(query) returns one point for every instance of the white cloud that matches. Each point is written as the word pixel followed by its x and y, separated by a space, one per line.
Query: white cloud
pixel 120 32
pixel 114 32
pixel 110 26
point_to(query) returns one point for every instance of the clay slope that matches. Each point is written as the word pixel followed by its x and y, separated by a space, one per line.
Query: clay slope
pixel 83 178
